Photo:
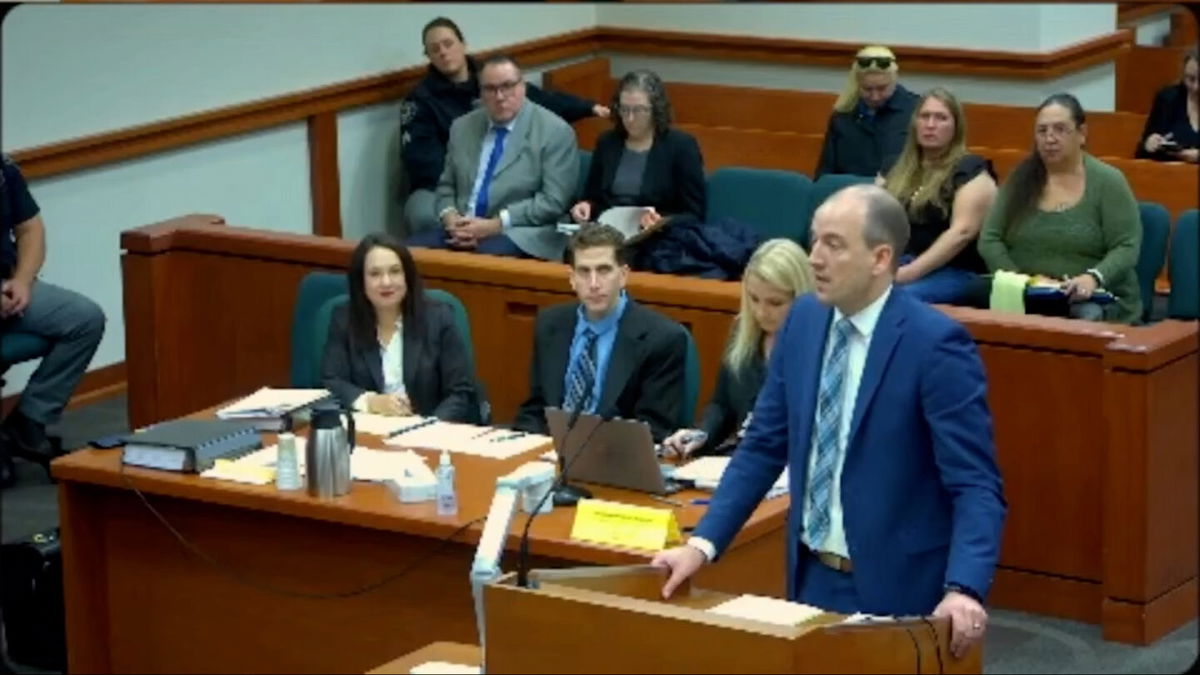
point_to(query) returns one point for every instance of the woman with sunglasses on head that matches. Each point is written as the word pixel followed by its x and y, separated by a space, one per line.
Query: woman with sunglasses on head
pixel 1066 215
pixel 642 161
pixel 1172 132
pixel 448 91
pixel 870 119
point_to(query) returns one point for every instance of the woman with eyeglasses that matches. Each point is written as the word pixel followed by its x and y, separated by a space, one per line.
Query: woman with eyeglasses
pixel 947 192
pixel 1172 132
pixel 1066 216
pixel 642 160
pixel 870 119
pixel 448 91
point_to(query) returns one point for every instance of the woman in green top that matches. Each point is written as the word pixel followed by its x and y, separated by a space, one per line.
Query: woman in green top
pixel 1065 214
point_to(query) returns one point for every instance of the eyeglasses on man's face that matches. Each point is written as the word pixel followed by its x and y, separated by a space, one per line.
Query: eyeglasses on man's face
pixel 505 88
pixel 883 62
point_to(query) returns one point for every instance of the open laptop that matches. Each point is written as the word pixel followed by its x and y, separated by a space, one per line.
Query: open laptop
pixel 620 453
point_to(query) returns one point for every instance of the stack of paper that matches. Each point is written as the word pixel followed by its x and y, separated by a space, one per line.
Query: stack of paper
pixel 706 473
pixel 266 407
pixel 382 425
pixel 769 610
pixel 469 439
pixel 365 463
pixel 443 668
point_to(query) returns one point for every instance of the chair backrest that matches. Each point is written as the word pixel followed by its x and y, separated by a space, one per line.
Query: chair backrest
pixel 315 289
pixel 585 164
pixel 461 320
pixel 1156 229
pixel 1183 268
pixel 691 382
pixel 770 200
pixel 823 188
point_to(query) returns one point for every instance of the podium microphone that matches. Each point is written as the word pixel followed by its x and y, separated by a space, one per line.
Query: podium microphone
pixel 523 555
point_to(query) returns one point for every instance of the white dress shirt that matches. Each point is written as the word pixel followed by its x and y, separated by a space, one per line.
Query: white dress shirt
pixel 858 343
pixel 392 360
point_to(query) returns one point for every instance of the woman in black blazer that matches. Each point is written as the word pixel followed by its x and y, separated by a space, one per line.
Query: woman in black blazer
pixel 390 350
pixel 777 273
pixel 1172 132
pixel 642 161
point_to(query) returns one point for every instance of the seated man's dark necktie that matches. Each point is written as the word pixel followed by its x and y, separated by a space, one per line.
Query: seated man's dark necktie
pixel 583 375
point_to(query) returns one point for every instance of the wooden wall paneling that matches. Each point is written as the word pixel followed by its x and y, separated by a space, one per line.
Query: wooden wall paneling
pixel 1053 524
pixel 85 561
pixel 1031 591
pixel 1152 431
pixel 324 181
pixel 1143 72
pixel 589 79
pixel 1183 27
pixel 1142 624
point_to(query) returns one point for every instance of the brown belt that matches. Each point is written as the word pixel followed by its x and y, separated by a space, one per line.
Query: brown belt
pixel 834 561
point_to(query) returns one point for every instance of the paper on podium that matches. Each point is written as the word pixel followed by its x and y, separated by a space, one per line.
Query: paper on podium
pixel 706 472
pixel 469 439
pixel 442 667
pixel 768 610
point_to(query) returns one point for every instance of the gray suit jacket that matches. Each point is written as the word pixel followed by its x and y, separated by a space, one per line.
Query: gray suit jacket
pixel 535 178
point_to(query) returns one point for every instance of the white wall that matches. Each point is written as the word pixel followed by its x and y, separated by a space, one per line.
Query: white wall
pixel 1007 27
pixel 1093 86
pixel 139 63
pixel 1152 31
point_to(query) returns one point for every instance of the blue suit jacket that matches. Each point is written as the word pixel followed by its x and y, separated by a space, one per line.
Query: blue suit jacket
pixel 921 493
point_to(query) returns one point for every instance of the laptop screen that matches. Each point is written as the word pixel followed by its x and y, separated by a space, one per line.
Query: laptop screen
pixel 616 452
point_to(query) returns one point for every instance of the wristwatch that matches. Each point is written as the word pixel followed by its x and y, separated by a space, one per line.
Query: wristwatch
pixel 959 588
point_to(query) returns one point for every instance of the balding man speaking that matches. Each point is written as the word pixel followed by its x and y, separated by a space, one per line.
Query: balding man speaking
pixel 878 404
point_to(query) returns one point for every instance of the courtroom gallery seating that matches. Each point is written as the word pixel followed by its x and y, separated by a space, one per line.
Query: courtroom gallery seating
pixel 1184 268
pixel 1156 230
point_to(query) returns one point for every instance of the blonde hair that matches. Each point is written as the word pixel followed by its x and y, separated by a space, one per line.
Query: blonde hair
pixel 782 264
pixel 909 180
pixel 848 99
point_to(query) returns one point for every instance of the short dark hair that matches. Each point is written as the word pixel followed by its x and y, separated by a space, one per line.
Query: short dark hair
pixel 596 235
pixel 499 60
pixel 886 221
pixel 660 106
pixel 441 22
pixel 362 312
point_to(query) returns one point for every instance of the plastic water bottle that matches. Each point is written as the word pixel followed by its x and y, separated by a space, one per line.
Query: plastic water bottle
pixel 287 469
pixel 447 497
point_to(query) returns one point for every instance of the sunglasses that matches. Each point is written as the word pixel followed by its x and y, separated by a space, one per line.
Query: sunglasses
pixel 883 62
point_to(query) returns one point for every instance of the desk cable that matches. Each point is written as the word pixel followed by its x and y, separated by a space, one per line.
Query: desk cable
pixel 240 578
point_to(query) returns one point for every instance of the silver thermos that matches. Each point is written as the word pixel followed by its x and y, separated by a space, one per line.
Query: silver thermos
pixel 327 453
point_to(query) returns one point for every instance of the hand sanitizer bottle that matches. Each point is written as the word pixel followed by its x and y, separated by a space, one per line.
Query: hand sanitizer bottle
pixel 447 498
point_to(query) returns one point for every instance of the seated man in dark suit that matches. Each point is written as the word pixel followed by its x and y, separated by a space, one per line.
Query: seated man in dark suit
pixel 605 354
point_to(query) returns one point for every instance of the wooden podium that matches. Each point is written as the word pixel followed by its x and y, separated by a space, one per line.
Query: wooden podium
pixel 613 620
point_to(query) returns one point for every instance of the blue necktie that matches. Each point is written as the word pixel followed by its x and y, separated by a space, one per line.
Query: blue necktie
pixel 481 202
pixel 583 375
pixel 827 431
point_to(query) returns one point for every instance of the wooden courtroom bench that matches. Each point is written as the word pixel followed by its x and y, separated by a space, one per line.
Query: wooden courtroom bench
pixel 1095 423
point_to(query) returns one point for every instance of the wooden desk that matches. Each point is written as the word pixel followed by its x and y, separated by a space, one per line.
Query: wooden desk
pixel 139 600
pixel 1095 424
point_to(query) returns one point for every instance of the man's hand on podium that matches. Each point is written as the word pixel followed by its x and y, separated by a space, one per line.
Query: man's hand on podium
pixel 968 620
pixel 682 561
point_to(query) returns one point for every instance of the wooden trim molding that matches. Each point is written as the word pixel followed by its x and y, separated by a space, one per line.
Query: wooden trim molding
pixel 123 144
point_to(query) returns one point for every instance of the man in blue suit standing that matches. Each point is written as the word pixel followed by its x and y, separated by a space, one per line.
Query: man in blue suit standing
pixel 877 403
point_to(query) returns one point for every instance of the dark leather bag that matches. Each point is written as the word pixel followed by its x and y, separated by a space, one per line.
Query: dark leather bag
pixel 31 601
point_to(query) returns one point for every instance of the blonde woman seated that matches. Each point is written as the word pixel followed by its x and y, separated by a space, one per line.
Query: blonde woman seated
pixel 869 123
pixel 947 193
pixel 777 273
pixel 1066 215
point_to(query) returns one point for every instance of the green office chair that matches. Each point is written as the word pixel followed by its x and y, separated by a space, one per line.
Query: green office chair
pixel 1184 268
pixel 1156 229
pixel 308 341
pixel 691 383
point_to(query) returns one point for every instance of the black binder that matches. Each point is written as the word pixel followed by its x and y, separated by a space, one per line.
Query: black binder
pixel 190 445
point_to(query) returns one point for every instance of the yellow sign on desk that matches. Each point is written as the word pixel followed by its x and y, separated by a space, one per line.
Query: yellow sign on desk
pixel 625 525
